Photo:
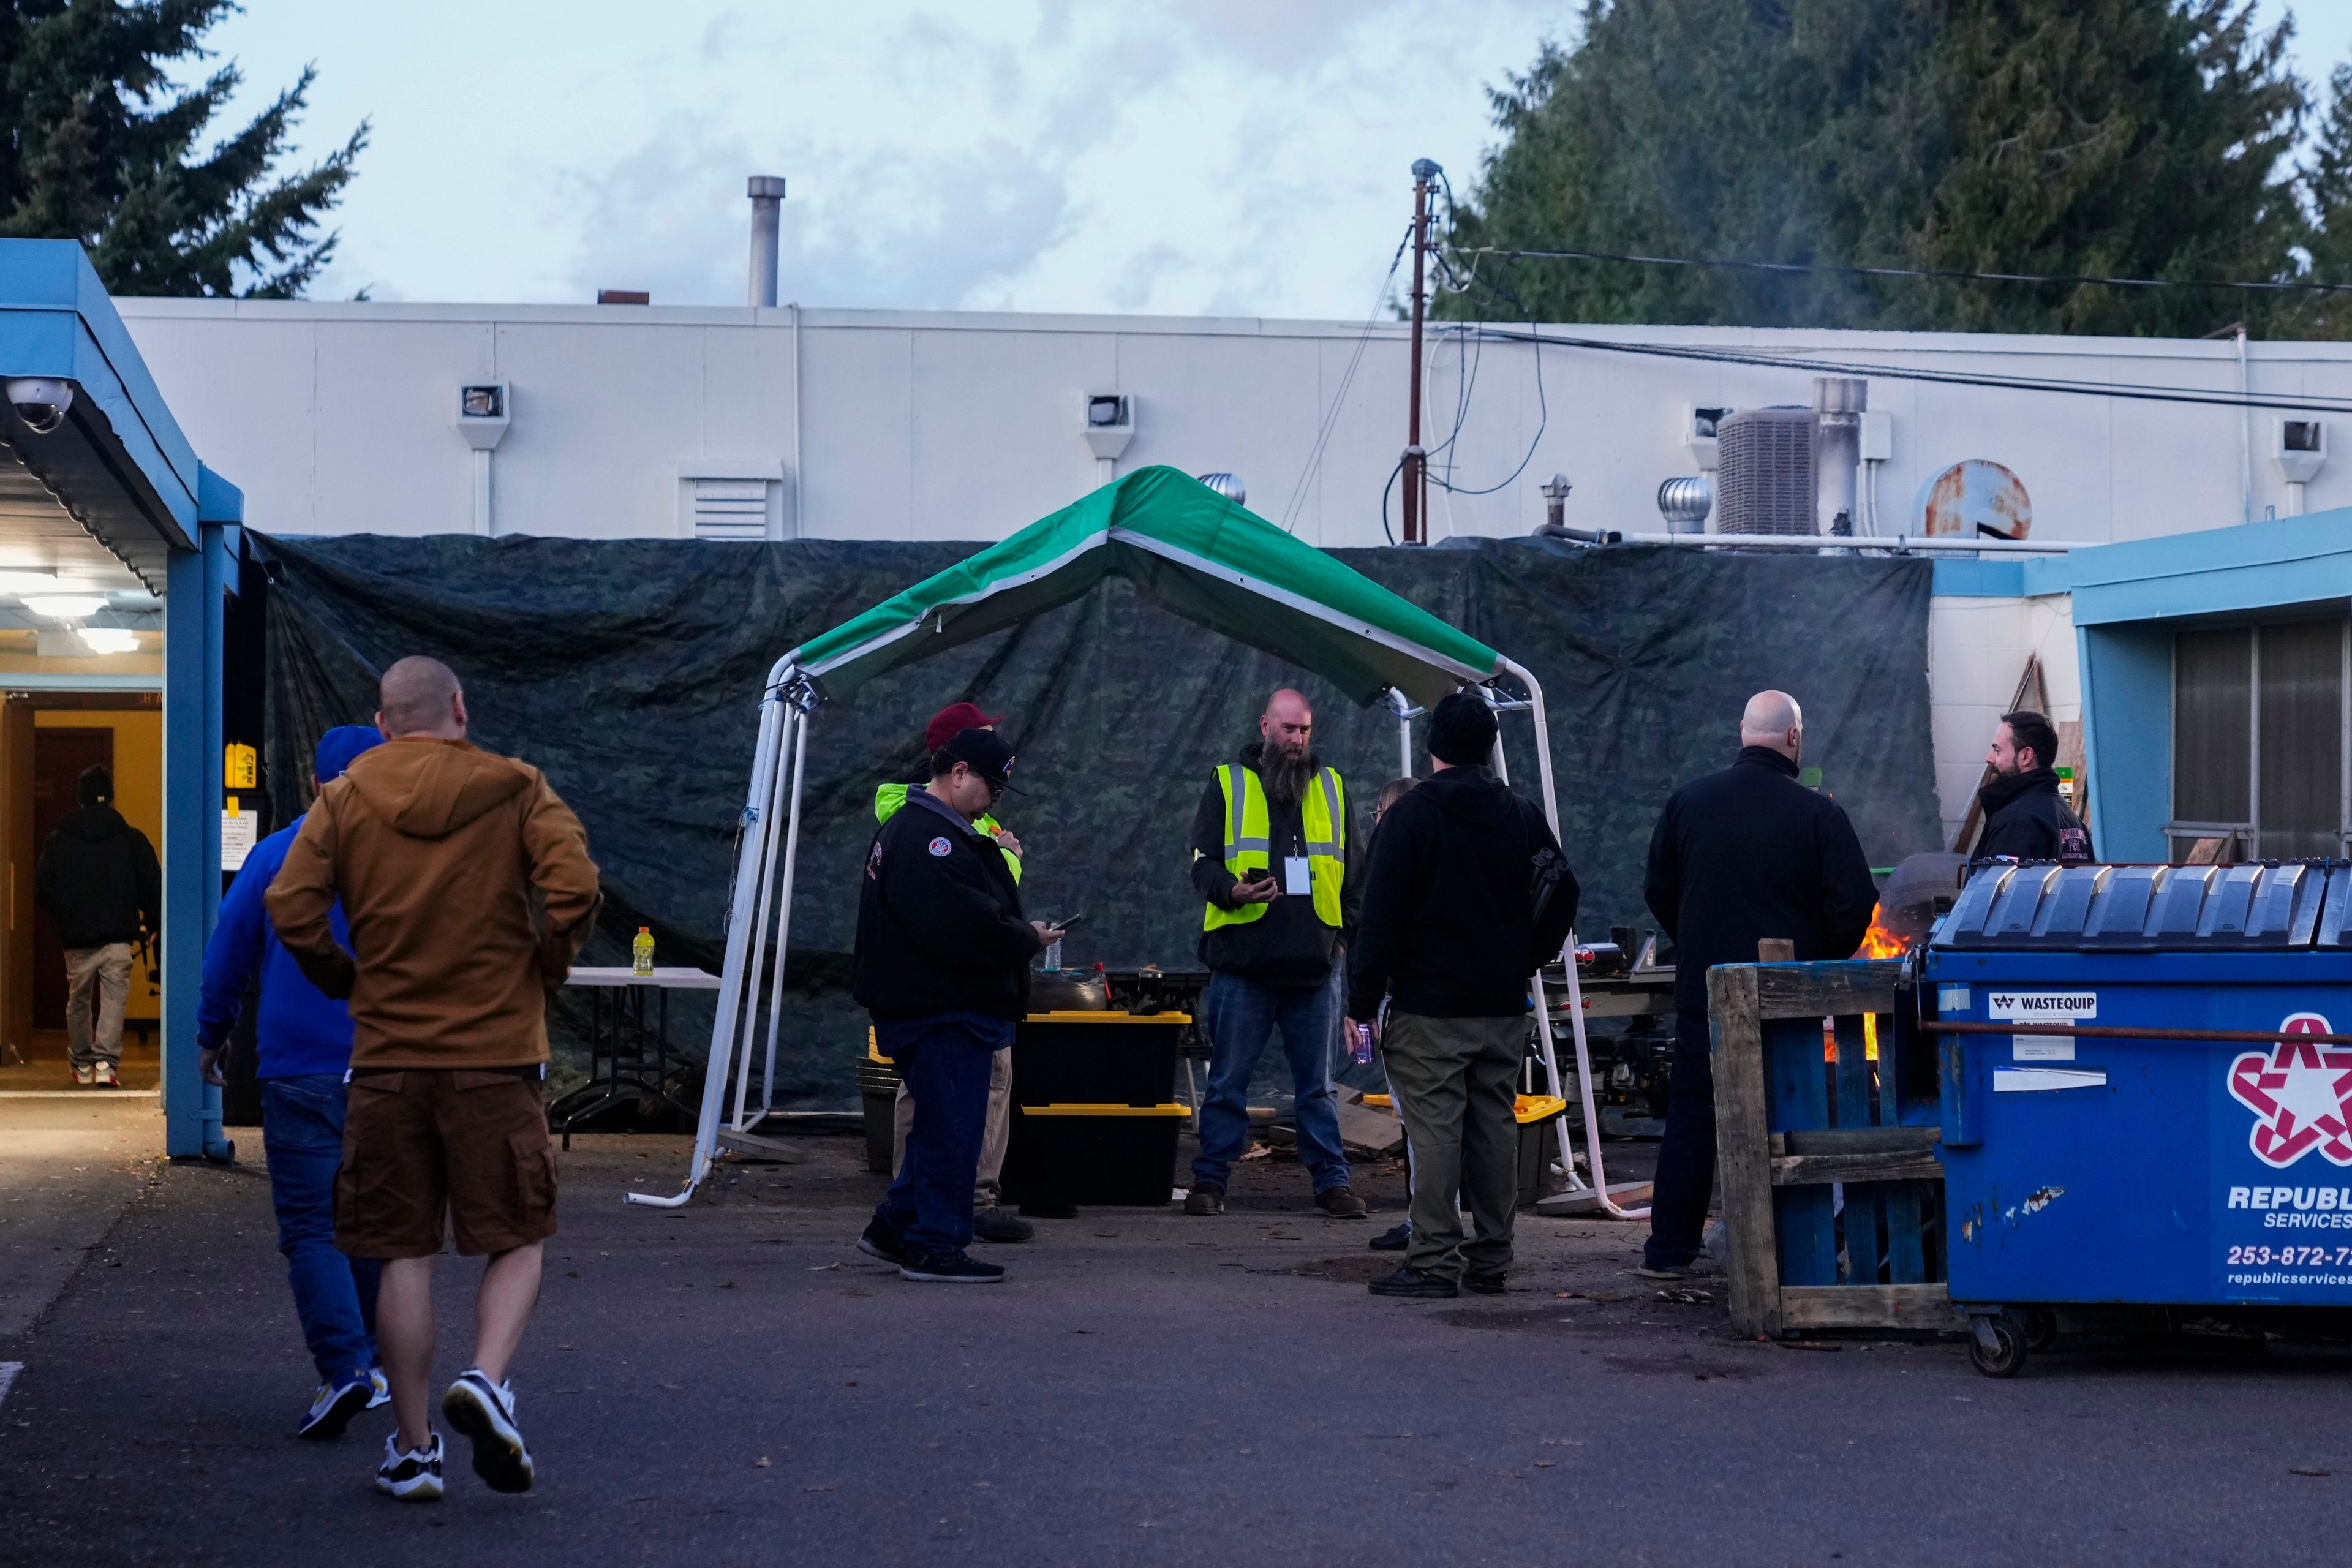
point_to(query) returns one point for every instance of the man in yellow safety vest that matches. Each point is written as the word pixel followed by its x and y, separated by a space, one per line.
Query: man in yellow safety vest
pixel 990 1220
pixel 1271 859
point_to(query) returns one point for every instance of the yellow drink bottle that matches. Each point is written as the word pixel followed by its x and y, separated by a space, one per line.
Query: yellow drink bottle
pixel 641 952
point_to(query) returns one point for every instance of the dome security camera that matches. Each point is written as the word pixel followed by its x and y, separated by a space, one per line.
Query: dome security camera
pixel 41 401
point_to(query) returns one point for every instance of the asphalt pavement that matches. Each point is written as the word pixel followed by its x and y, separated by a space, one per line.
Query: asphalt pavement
pixel 734 1383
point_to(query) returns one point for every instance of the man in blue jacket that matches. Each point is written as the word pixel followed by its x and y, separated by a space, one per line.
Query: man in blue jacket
pixel 304 1042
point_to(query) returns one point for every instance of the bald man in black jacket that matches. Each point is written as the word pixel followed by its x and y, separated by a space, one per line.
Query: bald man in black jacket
pixel 1739 855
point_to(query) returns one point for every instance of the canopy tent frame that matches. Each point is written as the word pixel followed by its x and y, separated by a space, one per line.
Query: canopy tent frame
pixel 1179 542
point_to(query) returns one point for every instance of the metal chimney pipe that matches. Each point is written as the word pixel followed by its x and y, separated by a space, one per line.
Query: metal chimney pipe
pixel 1839 402
pixel 767 193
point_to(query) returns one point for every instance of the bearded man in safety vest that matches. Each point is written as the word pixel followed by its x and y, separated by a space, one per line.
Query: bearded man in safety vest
pixel 1271 856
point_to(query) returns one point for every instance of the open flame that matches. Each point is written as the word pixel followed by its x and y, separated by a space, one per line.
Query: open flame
pixel 1878 942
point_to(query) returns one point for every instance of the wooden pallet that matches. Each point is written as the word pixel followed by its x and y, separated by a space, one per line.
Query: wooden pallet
pixel 1795 1130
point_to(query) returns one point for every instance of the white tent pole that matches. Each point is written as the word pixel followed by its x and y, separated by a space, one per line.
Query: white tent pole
pixel 784 914
pixel 794 720
pixel 1403 707
pixel 764 756
pixel 1575 985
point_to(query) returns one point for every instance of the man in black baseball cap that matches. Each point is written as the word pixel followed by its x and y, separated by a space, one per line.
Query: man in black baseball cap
pixel 942 966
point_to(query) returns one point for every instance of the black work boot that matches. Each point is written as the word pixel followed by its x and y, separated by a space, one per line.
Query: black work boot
pixel 1414 1282
pixel 1205 1199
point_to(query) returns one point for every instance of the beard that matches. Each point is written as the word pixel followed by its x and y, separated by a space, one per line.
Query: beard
pixel 1286 773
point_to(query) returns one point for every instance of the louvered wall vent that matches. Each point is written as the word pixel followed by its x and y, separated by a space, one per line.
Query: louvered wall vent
pixel 724 499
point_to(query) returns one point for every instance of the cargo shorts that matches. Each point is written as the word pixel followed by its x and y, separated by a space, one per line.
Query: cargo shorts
pixel 426 1151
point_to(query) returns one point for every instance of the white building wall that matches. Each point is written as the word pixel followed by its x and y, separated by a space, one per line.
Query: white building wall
pixel 337 417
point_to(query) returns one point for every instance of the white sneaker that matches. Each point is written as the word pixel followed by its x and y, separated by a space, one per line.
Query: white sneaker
pixel 103 1076
pixel 412 1476
pixel 483 1411
pixel 383 1394
pixel 85 1074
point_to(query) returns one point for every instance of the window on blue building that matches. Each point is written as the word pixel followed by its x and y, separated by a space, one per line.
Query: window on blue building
pixel 2259 738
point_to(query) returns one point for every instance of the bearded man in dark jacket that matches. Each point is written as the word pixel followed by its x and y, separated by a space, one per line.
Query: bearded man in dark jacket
pixel 1467 897
pixel 2025 817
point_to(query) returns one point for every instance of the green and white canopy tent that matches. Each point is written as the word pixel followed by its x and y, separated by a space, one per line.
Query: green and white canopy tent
pixel 1192 551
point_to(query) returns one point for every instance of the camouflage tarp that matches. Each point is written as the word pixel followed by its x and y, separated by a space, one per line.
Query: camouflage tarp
pixel 630 671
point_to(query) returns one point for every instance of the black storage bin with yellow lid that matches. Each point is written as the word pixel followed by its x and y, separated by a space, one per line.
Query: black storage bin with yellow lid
pixel 1118 1155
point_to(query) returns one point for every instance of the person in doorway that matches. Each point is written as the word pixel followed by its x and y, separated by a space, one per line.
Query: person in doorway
pixel 989 1222
pixel 99 882
pixel 941 964
pixel 1270 859
pixel 2024 814
pixel 467 889
pixel 1468 895
pixel 1739 857
pixel 303 1046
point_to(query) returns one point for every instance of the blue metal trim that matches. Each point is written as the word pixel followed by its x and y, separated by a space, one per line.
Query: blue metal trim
pixel 218 500
pixel 55 319
pixel 185 805
pixel 2127 693
pixel 2249 566
pixel 194 620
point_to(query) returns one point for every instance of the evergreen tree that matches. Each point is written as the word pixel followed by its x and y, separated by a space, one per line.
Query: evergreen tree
pixel 98 145
pixel 2327 188
pixel 2138 138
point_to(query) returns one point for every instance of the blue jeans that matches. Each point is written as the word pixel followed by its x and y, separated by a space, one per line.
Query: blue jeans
pixel 302 1132
pixel 945 1062
pixel 1685 1177
pixel 1239 1014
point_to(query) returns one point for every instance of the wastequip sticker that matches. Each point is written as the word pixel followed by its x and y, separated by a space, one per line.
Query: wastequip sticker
pixel 2299 1092
pixel 2041 1007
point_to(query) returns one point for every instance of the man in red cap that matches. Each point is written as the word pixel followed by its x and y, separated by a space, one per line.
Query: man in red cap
pixel 991 1222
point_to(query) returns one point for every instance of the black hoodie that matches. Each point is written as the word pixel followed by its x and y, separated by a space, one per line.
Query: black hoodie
pixel 1467 896
pixel 98 879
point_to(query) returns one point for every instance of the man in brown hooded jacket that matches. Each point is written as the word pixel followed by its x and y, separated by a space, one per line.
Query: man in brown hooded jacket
pixel 469 890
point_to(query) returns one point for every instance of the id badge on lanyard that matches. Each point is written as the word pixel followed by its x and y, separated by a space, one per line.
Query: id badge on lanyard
pixel 1294 879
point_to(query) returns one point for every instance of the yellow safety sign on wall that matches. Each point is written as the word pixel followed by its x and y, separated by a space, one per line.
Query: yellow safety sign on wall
pixel 240 766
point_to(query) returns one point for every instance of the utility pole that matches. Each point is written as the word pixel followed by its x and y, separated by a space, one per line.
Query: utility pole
pixel 1416 470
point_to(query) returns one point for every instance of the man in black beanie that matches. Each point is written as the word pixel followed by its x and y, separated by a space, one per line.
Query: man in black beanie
pixel 1468 896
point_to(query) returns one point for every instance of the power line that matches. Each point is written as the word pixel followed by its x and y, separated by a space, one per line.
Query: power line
pixel 2136 392
pixel 1339 399
pixel 2280 286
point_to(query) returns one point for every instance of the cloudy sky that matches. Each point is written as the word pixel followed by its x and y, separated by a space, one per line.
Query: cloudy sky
pixel 1243 157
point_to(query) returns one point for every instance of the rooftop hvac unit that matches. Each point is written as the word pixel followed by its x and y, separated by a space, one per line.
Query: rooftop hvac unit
pixel 1765 481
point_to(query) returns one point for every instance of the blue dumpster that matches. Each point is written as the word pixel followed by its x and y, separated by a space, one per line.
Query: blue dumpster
pixel 2147 1084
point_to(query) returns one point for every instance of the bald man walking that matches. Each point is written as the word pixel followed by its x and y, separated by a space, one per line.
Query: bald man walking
pixel 467 890
pixel 1271 861
pixel 1739 855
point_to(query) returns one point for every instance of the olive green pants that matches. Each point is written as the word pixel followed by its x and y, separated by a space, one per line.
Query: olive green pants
pixel 1455 1082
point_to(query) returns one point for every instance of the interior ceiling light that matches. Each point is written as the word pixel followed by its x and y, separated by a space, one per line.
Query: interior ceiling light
pixel 63 607
pixel 29 582
pixel 108 639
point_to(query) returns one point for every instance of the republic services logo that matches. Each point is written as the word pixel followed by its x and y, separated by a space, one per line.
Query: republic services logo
pixel 2301 1094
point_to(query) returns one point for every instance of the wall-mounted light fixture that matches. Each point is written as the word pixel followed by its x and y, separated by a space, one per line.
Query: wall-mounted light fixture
pixel 482 421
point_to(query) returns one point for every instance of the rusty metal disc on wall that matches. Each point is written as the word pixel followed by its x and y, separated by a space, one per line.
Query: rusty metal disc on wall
pixel 1977 498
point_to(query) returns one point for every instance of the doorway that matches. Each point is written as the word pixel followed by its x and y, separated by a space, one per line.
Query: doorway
pixel 46 740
